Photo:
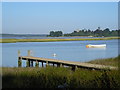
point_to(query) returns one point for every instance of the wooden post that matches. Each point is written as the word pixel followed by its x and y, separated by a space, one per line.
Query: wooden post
pixel 53 65
pixel 19 62
pixel 74 68
pixel 46 63
pixel 27 63
pixel 42 64
pixel 29 53
pixel 31 63
pixel 37 64
pixel 18 53
pixel 60 64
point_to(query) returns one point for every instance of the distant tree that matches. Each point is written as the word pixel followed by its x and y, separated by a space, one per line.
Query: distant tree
pixel 51 33
pixel 114 33
pixel 89 33
pixel 97 33
pixel 106 32
pixel 56 33
pixel 98 28
pixel 75 31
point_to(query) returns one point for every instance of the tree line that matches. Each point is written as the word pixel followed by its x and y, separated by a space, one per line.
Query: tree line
pixel 56 33
pixel 97 33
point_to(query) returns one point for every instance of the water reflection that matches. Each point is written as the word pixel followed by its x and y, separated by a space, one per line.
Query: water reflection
pixel 104 48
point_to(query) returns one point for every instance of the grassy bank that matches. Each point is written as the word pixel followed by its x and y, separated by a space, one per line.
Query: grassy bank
pixel 53 40
pixel 108 61
pixel 59 77
pixel 56 77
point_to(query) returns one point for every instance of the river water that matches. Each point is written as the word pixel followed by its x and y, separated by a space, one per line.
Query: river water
pixel 65 50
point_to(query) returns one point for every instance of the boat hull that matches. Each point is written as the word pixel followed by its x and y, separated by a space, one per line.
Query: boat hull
pixel 96 46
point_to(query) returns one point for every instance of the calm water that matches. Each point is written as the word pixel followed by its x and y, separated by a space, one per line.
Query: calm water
pixel 68 50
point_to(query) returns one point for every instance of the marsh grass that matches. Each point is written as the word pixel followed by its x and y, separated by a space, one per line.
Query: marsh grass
pixel 52 77
pixel 61 77
pixel 53 40
pixel 109 61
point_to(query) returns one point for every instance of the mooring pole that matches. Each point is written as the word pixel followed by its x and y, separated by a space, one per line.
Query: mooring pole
pixel 29 52
pixel 18 53
pixel 19 59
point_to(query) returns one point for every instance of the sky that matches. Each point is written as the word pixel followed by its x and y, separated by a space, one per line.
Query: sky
pixel 60 0
pixel 43 17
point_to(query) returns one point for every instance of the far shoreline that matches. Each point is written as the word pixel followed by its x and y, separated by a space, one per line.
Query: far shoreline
pixel 54 40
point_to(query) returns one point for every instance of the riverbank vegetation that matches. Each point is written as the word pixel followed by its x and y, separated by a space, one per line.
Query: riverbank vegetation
pixel 53 40
pixel 97 33
pixel 108 61
pixel 60 77
pixel 84 32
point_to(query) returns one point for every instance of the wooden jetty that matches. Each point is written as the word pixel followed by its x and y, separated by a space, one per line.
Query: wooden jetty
pixel 60 63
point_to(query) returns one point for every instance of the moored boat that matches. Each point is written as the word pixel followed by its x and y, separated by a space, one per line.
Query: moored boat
pixel 96 46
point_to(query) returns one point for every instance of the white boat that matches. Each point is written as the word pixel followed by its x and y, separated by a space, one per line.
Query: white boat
pixel 96 46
